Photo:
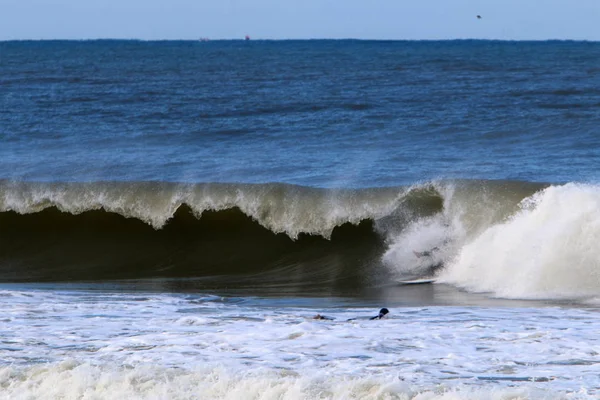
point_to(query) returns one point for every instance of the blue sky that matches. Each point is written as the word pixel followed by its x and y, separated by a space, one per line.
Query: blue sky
pixel 291 19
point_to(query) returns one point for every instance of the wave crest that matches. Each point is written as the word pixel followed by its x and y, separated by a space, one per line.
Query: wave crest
pixel 281 208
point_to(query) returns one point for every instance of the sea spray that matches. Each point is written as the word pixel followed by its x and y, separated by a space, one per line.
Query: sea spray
pixel 548 249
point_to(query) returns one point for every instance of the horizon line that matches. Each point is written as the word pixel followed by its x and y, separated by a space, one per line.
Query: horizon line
pixel 204 39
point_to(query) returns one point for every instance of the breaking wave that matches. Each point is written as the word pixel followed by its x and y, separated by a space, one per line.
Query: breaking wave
pixel 547 249
pixel 510 239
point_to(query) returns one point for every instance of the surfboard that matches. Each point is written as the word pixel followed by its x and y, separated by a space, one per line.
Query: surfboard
pixel 418 281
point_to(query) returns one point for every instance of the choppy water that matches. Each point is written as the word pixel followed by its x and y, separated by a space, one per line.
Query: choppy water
pixel 172 215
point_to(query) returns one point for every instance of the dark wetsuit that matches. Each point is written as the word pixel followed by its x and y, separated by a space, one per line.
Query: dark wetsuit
pixel 382 313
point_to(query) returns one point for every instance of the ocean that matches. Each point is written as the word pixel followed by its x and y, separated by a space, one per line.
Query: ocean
pixel 174 214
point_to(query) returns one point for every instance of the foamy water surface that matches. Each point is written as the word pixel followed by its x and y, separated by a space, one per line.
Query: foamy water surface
pixel 82 344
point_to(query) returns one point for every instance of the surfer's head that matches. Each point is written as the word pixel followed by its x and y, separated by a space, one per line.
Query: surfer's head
pixel 382 313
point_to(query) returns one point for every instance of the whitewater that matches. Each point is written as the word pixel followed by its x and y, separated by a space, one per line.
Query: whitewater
pixel 188 346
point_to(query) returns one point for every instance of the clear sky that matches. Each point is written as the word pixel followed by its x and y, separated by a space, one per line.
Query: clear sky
pixel 300 19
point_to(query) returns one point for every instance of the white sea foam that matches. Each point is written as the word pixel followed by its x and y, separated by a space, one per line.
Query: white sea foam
pixel 549 249
pixel 542 247
pixel 70 380
pixel 109 345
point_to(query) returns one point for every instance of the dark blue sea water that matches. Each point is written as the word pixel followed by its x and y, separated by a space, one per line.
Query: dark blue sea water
pixel 314 113
pixel 174 214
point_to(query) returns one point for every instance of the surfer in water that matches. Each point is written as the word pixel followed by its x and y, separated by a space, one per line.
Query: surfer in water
pixel 427 253
pixel 319 316
pixel 433 258
pixel 382 313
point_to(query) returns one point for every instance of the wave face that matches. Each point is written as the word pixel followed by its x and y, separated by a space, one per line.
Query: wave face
pixel 270 234
pixel 512 239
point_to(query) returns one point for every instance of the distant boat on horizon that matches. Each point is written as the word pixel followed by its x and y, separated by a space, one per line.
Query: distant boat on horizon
pixel 247 37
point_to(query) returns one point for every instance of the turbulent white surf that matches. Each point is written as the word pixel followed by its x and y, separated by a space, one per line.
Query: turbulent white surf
pixel 548 249
pixel 158 346
pixel 545 248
